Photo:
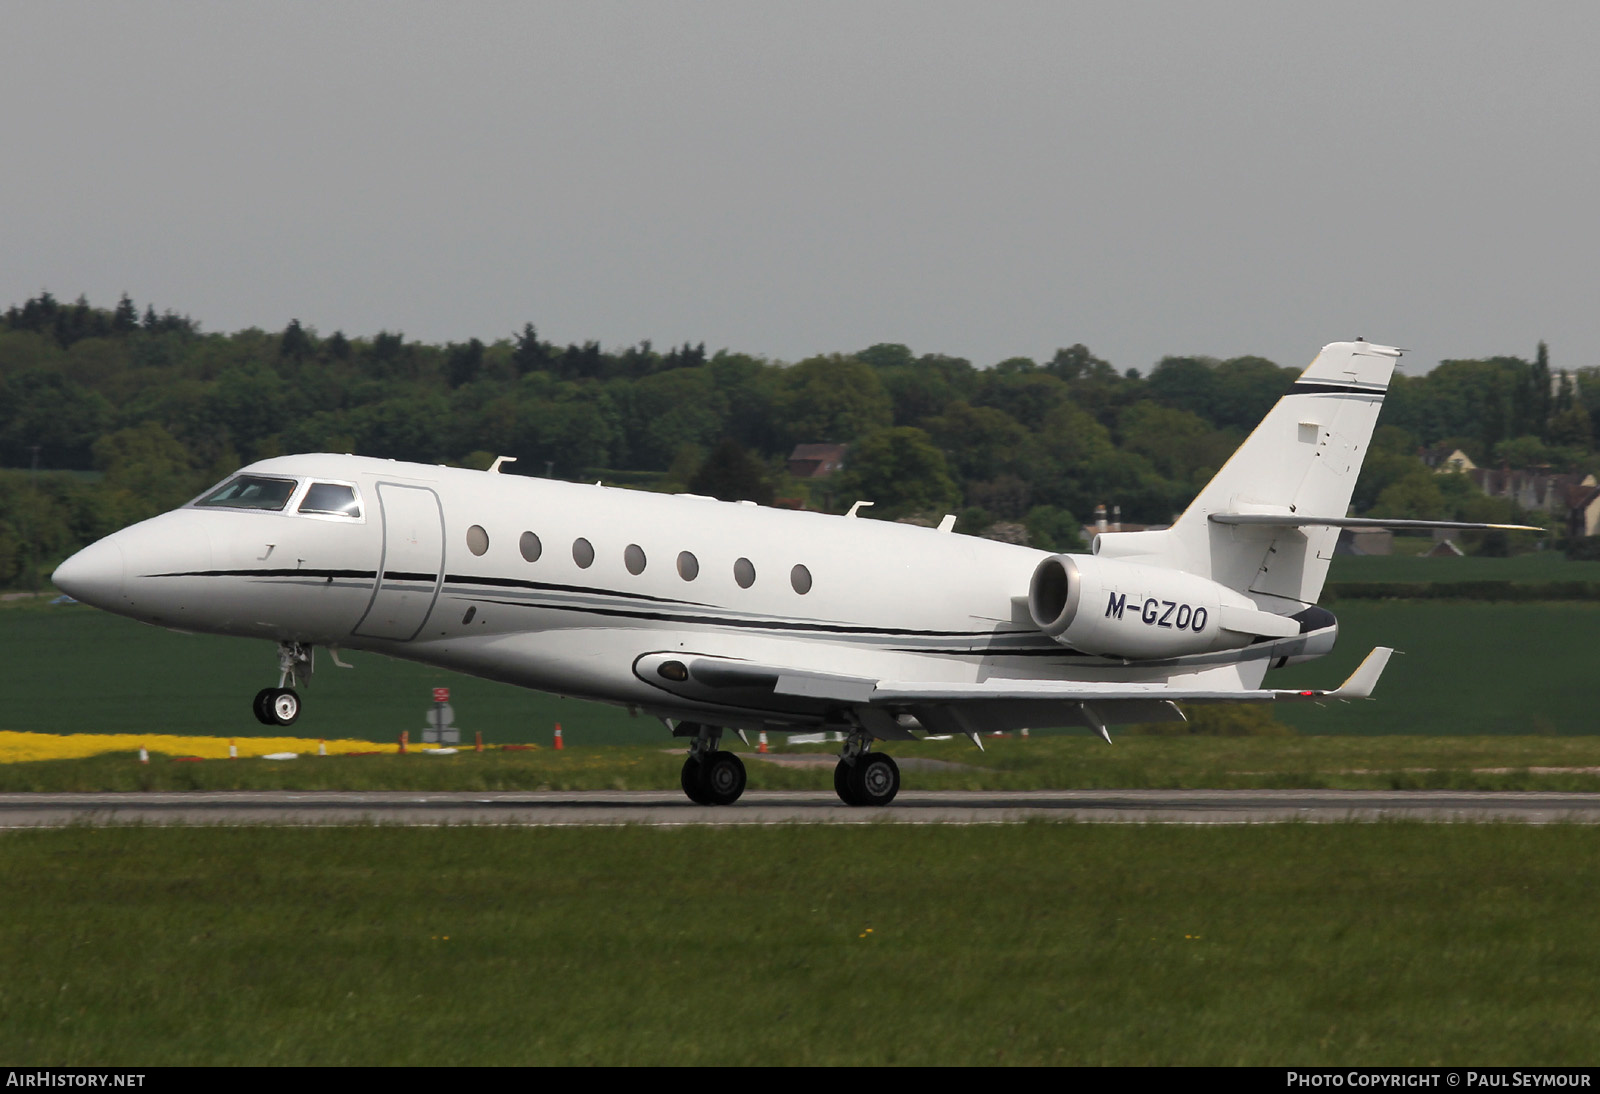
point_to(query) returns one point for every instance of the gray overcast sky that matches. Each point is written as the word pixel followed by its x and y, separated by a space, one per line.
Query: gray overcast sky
pixel 981 179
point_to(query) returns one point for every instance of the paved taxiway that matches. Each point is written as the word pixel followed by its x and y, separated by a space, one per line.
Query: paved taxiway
pixel 667 808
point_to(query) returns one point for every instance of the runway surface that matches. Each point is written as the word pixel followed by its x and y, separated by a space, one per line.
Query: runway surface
pixel 670 808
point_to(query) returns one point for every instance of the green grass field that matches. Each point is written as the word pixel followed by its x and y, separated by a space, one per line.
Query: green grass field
pixel 76 669
pixel 1009 763
pixel 1468 668
pixel 1040 943
pixel 1035 944
pixel 1536 567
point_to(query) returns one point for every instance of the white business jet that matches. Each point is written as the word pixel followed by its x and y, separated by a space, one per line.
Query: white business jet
pixel 715 615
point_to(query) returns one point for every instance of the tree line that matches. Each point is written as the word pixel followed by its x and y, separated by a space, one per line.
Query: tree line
pixel 109 415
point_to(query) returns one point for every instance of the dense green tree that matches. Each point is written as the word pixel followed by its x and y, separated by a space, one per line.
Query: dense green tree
pixel 979 442
pixel 671 409
pixel 1054 529
pixel 901 472
pixel 295 343
pixel 1181 446
pixel 44 410
pixel 463 362
pixel 1246 388
pixel 732 474
pixel 146 471
pixel 832 400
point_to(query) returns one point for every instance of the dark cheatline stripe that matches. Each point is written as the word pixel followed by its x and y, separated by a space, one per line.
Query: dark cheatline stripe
pixel 1322 387
pixel 284 572
pixel 546 586
pixel 623 613
pixel 723 621
pixel 994 651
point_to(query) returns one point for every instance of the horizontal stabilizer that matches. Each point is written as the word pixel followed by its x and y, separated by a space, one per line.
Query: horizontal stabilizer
pixel 1295 520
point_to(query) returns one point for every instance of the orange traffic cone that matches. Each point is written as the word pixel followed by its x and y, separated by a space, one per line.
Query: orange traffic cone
pixel 405 735
pixel 762 747
pixel 233 750
pixel 559 745
pixel 478 741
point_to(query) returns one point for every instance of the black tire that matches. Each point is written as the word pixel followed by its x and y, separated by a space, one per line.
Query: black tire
pixel 874 780
pixel 694 781
pixel 841 782
pixel 723 777
pixel 283 707
pixel 262 708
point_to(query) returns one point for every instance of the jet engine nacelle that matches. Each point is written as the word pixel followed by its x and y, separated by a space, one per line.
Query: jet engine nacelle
pixel 1136 612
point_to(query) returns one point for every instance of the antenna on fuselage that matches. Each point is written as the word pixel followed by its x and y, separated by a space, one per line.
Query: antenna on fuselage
pixel 857 507
pixel 494 468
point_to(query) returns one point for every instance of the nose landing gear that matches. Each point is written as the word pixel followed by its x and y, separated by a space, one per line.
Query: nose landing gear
pixel 280 706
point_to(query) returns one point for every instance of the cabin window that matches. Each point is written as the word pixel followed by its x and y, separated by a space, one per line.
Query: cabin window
pixel 477 539
pixel 688 566
pixel 251 492
pixel 633 558
pixel 744 572
pixel 800 578
pixel 583 553
pixel 335 499
pixel 530 546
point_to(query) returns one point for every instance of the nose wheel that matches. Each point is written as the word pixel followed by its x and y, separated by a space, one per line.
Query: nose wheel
pixel 280 706
pixel 277 706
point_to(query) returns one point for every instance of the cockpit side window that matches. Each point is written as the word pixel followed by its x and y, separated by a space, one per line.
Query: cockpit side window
pixel 331 497
pixel 251 492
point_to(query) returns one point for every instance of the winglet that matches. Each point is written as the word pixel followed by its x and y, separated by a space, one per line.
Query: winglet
pixel 1365 678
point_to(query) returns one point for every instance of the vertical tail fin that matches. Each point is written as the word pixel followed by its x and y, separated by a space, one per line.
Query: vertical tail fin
pixel 1302 460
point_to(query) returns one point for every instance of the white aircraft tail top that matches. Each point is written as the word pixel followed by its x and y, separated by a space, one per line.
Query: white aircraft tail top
pixel 1255 527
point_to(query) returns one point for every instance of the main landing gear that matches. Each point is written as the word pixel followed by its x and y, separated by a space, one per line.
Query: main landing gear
pixel 710 776
pixel 862 777
pixel 280 706
pixel 713 777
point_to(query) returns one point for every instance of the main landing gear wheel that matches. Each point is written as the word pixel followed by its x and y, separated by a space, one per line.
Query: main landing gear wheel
pixel 718 778
pixel 841 782
pixel 694 781
pixel 277 706
pixel 874 779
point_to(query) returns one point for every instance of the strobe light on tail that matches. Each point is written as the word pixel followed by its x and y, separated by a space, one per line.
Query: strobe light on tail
pixel 716 616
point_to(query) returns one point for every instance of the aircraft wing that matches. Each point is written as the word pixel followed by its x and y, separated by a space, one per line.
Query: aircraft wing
pixel 1358 686
pixel 1294 520
pixel 975 707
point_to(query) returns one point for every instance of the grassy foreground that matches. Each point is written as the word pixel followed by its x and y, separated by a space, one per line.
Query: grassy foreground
pixel 1007 763
pixel 1469 668
pixel 1053 944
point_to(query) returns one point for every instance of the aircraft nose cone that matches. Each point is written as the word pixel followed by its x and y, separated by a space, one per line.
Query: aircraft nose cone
pixel 95 575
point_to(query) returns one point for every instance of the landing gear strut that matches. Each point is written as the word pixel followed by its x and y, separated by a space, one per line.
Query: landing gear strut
pixel 710 776
pixel 280 706
pixel 862 777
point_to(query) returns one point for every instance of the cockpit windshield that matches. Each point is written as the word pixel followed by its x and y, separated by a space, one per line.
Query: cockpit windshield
pixel 333 498
pixel 251 492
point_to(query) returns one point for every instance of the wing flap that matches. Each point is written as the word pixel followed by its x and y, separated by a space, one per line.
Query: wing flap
pixel 861 690
pixel 1286 519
